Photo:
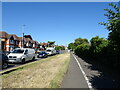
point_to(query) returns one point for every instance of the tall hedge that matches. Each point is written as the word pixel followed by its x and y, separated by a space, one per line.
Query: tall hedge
pixel 82 50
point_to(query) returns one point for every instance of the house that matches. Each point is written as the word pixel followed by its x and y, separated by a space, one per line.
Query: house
pixel 43 45
pixel 8 42
pixel 3 39
pixel 35 44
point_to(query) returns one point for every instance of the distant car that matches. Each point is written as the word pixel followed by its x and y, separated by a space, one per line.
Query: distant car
pixel 3 61
pixel 42 54
pixel 51 51
pixel 57 52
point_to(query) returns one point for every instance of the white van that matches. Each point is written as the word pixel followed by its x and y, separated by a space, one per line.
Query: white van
pixel 51 51
pixel 21 55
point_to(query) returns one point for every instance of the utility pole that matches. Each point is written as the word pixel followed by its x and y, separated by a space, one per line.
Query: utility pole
pixel 23 35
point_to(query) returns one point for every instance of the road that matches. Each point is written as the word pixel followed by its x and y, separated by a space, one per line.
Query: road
pixel 84 74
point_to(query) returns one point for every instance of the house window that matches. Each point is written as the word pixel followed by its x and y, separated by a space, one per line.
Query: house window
pixel 17 42
pixel 12 41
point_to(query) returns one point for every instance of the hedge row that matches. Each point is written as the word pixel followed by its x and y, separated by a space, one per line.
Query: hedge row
pixel 99 50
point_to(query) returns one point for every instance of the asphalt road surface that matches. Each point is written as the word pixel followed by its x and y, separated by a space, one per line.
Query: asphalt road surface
pixel 83 74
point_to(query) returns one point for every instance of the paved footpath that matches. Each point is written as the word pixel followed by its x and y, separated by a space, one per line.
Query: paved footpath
pixel 74 77
pixel 84 74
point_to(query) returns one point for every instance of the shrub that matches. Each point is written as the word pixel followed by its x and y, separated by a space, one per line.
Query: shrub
pixel 98 46
pixel 82 50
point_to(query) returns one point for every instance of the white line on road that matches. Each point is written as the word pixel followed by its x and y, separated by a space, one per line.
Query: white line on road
pixel 87 80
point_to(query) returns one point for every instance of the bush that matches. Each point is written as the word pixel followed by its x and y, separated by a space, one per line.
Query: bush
pixel 82 50
pixel 98 46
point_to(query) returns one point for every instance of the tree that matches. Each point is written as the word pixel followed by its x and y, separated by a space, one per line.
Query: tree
pixel 97 46
pixel 113 26
pixel 82 50
pixel 59 48
pixel 79 41
pixel 71 46
pixel 51 43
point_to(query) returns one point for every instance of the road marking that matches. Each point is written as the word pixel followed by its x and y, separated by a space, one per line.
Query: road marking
pixel 87 80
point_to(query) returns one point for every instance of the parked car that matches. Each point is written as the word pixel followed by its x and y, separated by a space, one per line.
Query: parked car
pixel 21 55
pixel 42 54
pixel 57 52
pixel 51 51
pixel 3 61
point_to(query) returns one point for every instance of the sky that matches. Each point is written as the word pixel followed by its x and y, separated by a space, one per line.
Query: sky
pixel 61 22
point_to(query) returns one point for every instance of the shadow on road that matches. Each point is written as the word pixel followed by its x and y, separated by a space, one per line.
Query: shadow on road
pixel 105 78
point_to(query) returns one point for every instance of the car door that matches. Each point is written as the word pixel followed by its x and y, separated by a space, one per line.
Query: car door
pixel 26 55
pixel 30 54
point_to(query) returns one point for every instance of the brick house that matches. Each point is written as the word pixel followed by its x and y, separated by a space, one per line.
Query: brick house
pixel 43 46
pixel 10 41
pixel 3 39
pixel 35 44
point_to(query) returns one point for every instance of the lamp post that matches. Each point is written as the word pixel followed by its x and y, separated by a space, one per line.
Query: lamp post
pixel 23 27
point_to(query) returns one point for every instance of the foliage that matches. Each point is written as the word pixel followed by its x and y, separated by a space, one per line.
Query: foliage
pixel 51 43
pixel 62 47
pixel 71 46
pixel 97 44
pixel 106 52
pixel 82 50
pixel 97 48
pixel 113 26
pixel 79 41
pixel 59 48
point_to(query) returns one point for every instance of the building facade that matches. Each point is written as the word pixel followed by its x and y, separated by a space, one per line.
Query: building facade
pixel 8 42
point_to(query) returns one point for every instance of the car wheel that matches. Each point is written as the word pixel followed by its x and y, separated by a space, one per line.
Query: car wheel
pixel 33 58
pixel 23 61
pixel 5 65
pixel 46 56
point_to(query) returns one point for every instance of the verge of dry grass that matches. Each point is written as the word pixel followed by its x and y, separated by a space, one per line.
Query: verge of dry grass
pixel 46 73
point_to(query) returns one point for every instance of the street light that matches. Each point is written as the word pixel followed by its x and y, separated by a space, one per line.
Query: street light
pixel 23 27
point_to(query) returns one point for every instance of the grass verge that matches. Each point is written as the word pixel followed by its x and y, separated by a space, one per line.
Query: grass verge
pixel 57 80
pixel 45 73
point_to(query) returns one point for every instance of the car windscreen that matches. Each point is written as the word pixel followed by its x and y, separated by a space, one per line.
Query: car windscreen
pixel 18 51
pixel 41 52
pixel 48 50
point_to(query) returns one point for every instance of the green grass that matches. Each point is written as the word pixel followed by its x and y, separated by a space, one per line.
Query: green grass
pixel 56 82
pixel 25 66
pixel 54 67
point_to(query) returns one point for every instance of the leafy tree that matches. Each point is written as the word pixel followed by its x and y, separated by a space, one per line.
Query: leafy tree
pixel 62 47
pixel 51 43
pixel 113 26
pixel 71 46
pixel 82 50
pixel 97 45
pixel 79 41
pixel 59 48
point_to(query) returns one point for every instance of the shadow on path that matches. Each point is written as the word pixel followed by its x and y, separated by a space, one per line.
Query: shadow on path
pixel 105 78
